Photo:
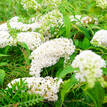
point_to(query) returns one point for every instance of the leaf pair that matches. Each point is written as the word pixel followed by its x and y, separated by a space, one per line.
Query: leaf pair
pixel 2 75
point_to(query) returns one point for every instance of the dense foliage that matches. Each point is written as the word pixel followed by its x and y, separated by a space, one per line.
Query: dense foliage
pixel 53 53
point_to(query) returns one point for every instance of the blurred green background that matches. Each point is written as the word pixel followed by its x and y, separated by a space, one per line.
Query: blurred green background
pixel 10 8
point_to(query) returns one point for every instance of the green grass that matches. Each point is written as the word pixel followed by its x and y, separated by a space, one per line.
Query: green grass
pixel 10 8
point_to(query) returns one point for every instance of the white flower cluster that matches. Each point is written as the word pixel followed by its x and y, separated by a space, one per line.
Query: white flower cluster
pixel 6 39
pixel 51 2
pixel 102 3
pixel 4 27
pixel 33 4
pixel 75 18
pixel 89 65
pixel 85 19
pixel 14 19
pixel 100 38
pixel 15 24
pixel 49 53
pixel 30 4
pixel 51 19
pixel 47 87
pixel 89 20
pixel 32 39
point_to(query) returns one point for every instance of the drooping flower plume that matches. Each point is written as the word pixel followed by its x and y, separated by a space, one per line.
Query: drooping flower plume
pixel 49 53
pixel 47 87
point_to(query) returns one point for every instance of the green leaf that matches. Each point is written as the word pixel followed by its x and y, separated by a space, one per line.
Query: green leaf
pixel 26 53
pixel 96 94
pixel 60 65
pixel 26 47
pixel 85 43
pixel 3 63
pixel 76 42
pixel 2 75
pixel 67 24
pixel 105 71
pixel 105 99
pixel 63 73
pixel 66 88
pixel 1 55
pixel 84 31
pixel 52 29
pixel 6 50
